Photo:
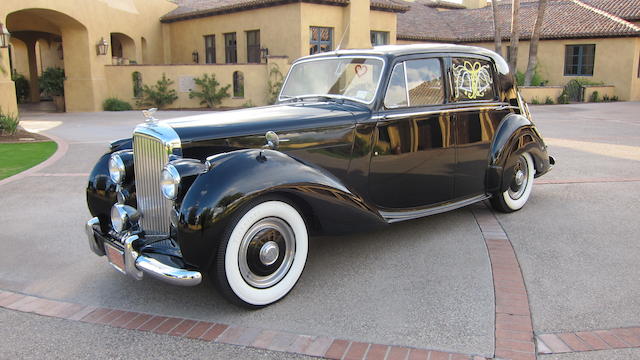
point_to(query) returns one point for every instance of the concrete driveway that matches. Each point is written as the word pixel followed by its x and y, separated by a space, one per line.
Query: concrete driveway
pixel 413 288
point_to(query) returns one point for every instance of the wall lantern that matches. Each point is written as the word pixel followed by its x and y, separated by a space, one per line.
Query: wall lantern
pixel 60 52
pixel 264 52
pixel 195 56
pixel 102 47
pixel 5 36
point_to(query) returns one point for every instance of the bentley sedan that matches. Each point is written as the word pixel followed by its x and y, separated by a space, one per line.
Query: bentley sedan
pixel 358 139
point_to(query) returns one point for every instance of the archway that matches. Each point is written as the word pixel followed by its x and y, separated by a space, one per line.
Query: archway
pixel 48 35
pixel 123 49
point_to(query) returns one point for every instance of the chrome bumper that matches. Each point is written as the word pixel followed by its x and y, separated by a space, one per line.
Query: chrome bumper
pixel 136 265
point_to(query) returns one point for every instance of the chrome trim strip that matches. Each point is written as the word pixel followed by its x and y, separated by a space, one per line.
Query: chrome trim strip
pixel 93 244
pixel 406 83
pixel 395 216
pixel 166 273
pixel 437 112
pixel 384 64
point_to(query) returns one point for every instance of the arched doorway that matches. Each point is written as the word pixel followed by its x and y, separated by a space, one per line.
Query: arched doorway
pixel 48 36
pixel 123 49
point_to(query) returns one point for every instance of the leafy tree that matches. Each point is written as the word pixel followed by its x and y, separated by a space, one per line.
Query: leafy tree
pixel 211 94
pixel 158 95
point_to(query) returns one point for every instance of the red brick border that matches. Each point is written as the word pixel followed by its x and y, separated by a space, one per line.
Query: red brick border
pixel 318 346
pixel 514 330
pixel 621 338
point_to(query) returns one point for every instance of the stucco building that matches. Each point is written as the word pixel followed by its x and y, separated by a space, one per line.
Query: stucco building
pixel 249 43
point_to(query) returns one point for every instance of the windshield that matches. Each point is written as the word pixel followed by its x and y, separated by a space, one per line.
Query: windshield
pixel 352 78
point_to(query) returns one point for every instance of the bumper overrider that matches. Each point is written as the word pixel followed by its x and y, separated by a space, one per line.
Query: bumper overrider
pixel 126 256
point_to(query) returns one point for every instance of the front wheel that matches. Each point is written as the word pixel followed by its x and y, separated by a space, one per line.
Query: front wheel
pixel 262 253
pixel 517 194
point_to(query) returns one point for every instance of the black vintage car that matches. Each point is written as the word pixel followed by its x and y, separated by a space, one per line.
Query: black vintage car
pixel 358 139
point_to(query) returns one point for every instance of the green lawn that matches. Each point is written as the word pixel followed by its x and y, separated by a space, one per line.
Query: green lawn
pixel 15 158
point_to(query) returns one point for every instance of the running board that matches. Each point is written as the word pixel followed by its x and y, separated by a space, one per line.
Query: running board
pixel 396 216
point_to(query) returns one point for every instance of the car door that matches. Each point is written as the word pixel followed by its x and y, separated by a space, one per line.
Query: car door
pixel 478 113
pixel 413 159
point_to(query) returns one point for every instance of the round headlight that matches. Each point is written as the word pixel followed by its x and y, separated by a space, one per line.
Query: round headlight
pixel 119 218
pixel 170 182
pixel 116 169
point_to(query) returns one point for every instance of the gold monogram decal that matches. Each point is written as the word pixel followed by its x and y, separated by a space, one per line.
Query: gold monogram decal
pixel 472 80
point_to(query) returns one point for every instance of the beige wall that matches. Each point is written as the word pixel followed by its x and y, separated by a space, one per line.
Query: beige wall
pixel 278 27
pixel 120 84
pixel 540 93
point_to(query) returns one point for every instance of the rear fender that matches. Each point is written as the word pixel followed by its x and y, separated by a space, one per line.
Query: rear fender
pixel 236 177
pixel 515 135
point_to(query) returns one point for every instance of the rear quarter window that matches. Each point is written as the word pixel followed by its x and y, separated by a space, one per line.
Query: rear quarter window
pixel 472 79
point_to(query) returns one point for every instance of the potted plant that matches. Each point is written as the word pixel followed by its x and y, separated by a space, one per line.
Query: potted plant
pixel 52 84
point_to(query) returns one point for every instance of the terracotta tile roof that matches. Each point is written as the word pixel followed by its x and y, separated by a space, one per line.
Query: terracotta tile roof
pixel 626 9
pixel 563 19
pixel 188 9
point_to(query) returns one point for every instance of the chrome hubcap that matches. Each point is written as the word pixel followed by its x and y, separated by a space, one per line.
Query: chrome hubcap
pixel 520 179
pixel 269 253
pixel 266 252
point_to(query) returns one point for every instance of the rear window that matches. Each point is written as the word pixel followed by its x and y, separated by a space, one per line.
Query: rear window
pixel 472 79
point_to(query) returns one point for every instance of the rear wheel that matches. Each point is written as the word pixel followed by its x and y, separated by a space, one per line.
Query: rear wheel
pixel 262 253
pixel 517 194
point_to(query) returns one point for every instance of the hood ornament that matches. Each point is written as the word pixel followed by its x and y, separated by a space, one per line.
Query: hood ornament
pixel 148 115
pixel 272 140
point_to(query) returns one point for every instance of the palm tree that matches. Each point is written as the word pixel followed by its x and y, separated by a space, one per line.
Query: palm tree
pixel 535 37
pixel 496 27
pixel 515 35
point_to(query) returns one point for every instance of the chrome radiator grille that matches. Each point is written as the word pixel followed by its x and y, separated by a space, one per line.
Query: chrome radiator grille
pixel 150 156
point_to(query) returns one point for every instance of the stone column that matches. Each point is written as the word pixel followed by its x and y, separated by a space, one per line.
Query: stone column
pixel 8 101
pixel 34 86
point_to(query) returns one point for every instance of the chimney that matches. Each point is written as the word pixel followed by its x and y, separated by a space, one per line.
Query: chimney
pixel 358 33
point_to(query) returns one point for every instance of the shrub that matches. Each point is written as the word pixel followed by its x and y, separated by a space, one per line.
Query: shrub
pixel 535 101
pixel 22 86
pixel 606 98
pixel 158 95
pixel 536 80
pixel 115 104
pixel 52 81
pixel 595 97
pixel 548 101
pixel 274 84
pixel 8 123
pixel 136 78
pixel 211 94
pixel 615 98
pixel 564 97
pixel 248 104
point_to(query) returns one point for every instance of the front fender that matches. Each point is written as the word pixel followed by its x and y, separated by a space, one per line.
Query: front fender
pixel 239 176
pixel 516 134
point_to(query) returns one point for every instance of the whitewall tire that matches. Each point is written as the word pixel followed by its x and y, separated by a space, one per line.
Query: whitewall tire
pixel 262 254
pixel 514 198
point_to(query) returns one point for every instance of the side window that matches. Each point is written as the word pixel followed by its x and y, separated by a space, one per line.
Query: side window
pixel 472 79
pixel 424 79
pixel 397 90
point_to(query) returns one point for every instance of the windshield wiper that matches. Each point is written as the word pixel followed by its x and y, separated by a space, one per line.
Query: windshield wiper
pixel 321 97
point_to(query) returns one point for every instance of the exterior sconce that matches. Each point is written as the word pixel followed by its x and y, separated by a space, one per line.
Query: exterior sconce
pixel 60 52
pixel 195 56
pixel 102 47
pixel 5 36
pixel 264 52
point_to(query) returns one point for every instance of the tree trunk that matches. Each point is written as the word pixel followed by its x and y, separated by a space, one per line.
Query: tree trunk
pixel 515 35
pixel 535 38
pixel 496 28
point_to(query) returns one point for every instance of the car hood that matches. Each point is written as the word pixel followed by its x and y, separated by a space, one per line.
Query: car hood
pixel 259 120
